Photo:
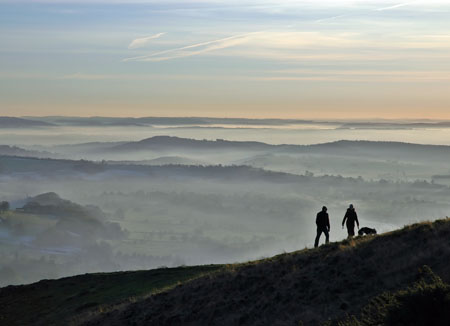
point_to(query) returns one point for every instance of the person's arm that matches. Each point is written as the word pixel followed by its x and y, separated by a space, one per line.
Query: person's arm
pixel 343 221
pixel 317 219
pixel 356 218
pixel 328 222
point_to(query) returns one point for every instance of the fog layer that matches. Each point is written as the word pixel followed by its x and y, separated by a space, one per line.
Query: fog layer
pixel 126 203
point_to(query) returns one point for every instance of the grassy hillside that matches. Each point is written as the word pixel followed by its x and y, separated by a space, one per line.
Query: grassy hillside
pixel 55 302
pixel 323 286
pixel 309 286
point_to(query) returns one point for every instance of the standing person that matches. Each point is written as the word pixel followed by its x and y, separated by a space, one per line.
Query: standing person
pixel 351 218
pixel 323 225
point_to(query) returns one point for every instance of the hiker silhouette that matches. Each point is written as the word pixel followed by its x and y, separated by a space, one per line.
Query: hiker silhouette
pixel 323 225
pixel 351 218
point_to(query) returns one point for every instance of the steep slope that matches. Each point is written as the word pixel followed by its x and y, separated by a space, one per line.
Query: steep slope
pixel 309 286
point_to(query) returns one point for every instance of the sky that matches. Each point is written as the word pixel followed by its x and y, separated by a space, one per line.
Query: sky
pixel 316 59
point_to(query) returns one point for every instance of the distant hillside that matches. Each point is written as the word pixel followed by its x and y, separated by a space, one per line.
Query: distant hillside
pixel 244 151
pixel 395 125
pixel 29 167
pixel 17 151
pixel 307 287
pixel 11 122
pixel 171 146
pixel 74 224
pixel 51 204
pixel 350 158
pixel 73 168
pixel 373 149
pixel 161 143
pixel 171 160
pixel 84 147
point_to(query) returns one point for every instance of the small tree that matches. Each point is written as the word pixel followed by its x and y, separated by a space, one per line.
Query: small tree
pixel 4 206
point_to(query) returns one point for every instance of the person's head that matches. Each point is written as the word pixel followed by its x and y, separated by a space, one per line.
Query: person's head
pixel 351 206
pixel 324 209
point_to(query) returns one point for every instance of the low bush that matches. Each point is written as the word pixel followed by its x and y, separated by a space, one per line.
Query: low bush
pixel 426 302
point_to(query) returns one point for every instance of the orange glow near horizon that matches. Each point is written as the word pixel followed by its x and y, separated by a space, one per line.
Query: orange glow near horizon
pixel 291 60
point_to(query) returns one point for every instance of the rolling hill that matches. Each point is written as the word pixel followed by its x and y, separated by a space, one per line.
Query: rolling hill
pixel 163 143
pixel 373 159
pixel 17 151
pixel 169 160
pixel 373 150
pixel 12 122
pixel 75 168
pixel 308 287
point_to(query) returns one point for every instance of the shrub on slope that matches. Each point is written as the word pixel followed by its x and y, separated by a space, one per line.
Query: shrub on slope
pixel 426 302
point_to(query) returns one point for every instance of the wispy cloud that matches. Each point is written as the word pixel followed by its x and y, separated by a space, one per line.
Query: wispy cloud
pixel 396 6
pixel 391 7
pixel 331 18
pixel 140 42
pixel 300 46
pixel 195 49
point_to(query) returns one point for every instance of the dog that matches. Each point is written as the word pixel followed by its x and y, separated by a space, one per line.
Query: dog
pixel 367 231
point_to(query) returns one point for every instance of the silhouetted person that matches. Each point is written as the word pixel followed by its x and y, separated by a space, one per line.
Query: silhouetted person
pixel 323 225
pixel 351 218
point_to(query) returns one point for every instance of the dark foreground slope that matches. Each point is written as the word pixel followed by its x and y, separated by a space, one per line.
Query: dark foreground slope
pixel 309 286
pixel 57 302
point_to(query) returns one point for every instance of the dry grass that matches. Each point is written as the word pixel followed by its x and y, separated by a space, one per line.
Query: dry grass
pixel 311 286
pixel 76 299
pixel 307 287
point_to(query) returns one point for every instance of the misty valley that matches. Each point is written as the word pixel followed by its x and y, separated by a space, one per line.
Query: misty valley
pixel 224 162
pixel 173 199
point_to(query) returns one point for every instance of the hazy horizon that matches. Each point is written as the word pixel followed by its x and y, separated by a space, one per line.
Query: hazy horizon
pixel 325 119
pixel 73 130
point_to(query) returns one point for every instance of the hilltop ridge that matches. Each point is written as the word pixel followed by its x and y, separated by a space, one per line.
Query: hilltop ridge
pixel 311 286
pixel 308 286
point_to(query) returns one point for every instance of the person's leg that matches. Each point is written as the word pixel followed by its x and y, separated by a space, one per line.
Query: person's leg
pixel 327 235
pixel 316 242
pixel 351 231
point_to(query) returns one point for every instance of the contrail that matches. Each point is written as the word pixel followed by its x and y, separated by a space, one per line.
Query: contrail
pixel 395 6
pixel 139 42
pixel 141 58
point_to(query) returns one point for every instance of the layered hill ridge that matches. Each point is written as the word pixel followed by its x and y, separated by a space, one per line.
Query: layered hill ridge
pixel 168 142
pixel 17 151
pixel 13 122
pixel 195 152
pixel 311 286
pixel 340 147
pixel 373 150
